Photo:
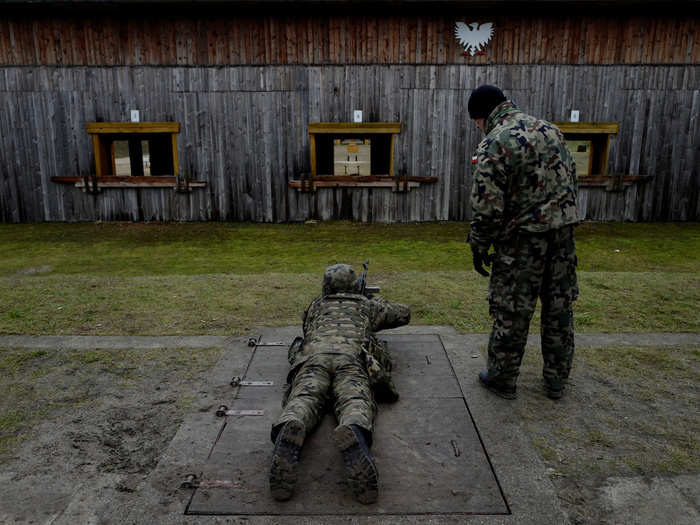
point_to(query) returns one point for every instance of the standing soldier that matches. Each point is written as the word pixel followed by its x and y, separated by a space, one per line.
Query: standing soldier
pixel 524 204
pixel 339 361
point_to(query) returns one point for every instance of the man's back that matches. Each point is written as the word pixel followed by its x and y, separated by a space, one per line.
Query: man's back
pixel 524 204
pixel 524 162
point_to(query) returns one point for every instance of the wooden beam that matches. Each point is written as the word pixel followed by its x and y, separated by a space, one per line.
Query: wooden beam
pixel 99 155
pixel 355 127
pixel 71 179
pixel 133 184
pixel 166 181
pixel 369 178
pixel 132 127
pixel 347 184
pixel 176 170
pixel 588 127
pixel 359 181
pixel 312 148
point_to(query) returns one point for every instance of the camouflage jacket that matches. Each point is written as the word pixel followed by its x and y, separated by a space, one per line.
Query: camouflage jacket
pixel 344 323
pixel 525 178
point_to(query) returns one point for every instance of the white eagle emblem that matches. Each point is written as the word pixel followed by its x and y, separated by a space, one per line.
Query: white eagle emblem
pixel 474 36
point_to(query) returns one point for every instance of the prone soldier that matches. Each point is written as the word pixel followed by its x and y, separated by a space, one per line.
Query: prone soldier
pixel 339 361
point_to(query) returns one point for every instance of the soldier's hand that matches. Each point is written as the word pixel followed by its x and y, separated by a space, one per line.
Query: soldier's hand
pixel 481 259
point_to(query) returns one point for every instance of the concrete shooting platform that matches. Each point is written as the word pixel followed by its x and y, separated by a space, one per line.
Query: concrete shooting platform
pixel 426 445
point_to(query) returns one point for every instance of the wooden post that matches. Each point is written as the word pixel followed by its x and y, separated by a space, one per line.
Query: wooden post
pixel 176 171
pixel 99 160
pixel 312 147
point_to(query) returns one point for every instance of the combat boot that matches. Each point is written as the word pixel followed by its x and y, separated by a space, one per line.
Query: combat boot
pixel 554 388
pixel 285 456
pixel 498 388
pixel 360 470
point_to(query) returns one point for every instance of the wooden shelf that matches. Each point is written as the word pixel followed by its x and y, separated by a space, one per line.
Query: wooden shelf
pixel 155 181
pixel 359 181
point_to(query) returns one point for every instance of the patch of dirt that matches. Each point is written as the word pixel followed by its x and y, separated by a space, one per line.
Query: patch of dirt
pixel 103 426
pixel 85 442
pixel 125 439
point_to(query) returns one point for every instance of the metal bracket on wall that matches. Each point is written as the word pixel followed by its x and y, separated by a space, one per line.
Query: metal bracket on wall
pixel 182 184
pixel 90 184
pixel 615 183
pixel 618 181
pixel 307 183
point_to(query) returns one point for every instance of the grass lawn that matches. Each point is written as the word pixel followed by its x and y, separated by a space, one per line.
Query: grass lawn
pixel 214 278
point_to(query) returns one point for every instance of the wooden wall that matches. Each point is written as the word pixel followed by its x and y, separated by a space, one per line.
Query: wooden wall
pixel 244 126
pixel 251 40
pixel 244 132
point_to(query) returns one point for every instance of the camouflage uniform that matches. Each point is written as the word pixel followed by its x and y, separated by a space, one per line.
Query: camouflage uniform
pixel 524 203
pixel 333 362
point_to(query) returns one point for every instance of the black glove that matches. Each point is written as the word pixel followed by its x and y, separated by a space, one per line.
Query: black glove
pixel 481 259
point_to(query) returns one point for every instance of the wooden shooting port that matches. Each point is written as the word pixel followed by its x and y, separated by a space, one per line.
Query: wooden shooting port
pixel 158 169
pixel 381 137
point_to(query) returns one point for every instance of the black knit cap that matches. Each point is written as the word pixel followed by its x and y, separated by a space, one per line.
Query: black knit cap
pixel 483 99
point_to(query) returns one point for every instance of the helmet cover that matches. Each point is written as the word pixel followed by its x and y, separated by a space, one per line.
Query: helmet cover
pixel 340 278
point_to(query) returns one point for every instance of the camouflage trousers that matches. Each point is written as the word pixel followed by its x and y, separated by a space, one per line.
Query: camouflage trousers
pixel 529 267
pixel 341 378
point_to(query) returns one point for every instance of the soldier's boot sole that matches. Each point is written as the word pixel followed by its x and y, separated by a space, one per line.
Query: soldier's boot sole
pixel 360 471
pixel 285 457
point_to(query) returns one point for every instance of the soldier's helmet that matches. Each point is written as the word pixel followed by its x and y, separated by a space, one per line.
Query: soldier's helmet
pixel 340 278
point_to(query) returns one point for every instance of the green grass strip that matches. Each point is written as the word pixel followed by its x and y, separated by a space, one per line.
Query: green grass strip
pixel 222 304
pixel 136 249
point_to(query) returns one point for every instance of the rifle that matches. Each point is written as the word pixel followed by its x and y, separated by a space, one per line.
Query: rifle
pixel 365 290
